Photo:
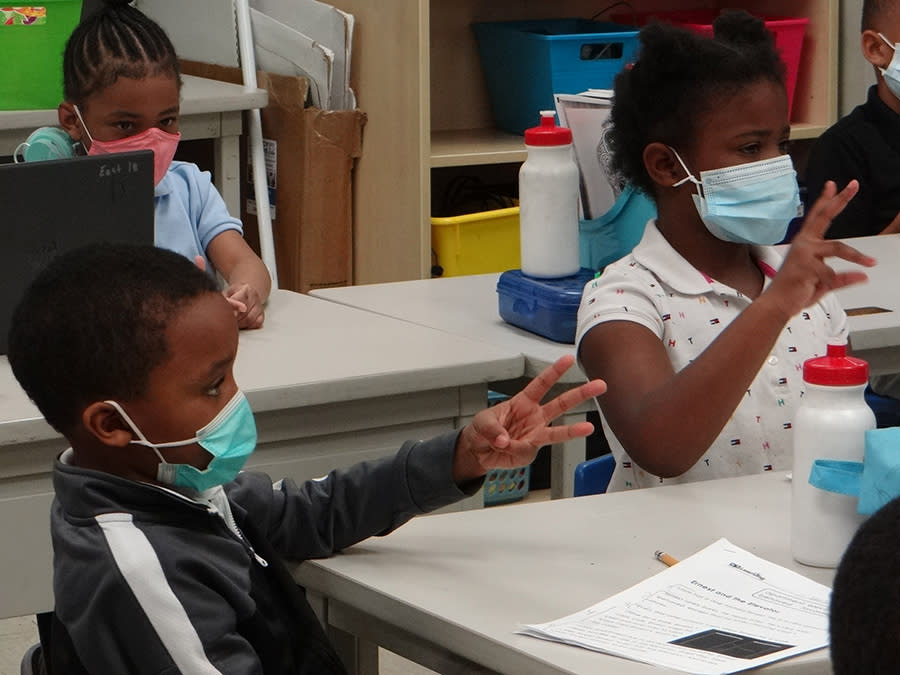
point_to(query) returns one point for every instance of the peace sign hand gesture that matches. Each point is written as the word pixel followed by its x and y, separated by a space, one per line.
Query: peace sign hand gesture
pixel 510 433
pixel 805 276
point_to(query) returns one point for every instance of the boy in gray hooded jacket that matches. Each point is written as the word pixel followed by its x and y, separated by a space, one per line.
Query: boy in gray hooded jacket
pixel 166 556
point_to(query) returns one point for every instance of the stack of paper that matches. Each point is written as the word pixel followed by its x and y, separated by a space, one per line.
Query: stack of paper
pixel 723 610
pixel 587 115
pixel 310 39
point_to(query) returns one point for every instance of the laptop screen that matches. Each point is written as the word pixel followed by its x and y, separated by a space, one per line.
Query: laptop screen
pixel 52 207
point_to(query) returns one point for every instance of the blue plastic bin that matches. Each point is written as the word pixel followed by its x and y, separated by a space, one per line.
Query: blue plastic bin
pixel 526 62
pixel 502 486
pixel 547 307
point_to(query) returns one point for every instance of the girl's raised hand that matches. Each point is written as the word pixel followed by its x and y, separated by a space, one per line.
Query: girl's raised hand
pixel 805 276
pixel 510 433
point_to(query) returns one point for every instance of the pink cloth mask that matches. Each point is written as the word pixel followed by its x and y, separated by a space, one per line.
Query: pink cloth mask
pixel 162 143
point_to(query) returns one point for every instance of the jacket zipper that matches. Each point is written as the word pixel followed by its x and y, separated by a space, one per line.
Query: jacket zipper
pixel 231 525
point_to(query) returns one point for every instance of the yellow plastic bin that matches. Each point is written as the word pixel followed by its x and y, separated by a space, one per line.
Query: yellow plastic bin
pixel 477 243
pixel 32 39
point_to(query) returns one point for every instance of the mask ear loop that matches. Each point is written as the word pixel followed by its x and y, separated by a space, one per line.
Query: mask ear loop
pixel 143 439
pixel 690 177
pixel 20 152
pixel 83 125
pixel 892 46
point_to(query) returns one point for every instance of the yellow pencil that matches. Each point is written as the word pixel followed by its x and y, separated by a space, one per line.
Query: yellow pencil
pixel 665 558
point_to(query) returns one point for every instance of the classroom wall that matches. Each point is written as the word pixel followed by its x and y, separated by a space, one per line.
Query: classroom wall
pixel 855 74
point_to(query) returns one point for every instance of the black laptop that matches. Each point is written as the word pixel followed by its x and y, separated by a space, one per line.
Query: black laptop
pixel 52 207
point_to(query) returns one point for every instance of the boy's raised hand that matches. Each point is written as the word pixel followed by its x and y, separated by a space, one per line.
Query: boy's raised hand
pixel 805 275
pixel 510 433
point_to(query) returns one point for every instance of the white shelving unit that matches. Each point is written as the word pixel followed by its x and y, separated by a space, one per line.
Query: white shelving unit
pixel 418 77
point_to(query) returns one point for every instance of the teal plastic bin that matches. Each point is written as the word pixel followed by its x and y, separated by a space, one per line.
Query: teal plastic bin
pixel 611 236
pixel 502 486
pixel 526 62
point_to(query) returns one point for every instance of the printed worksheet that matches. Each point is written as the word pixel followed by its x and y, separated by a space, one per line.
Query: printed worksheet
pixel 723 610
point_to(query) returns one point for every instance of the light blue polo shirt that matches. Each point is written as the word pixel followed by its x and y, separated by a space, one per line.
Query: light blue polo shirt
pixel 190 212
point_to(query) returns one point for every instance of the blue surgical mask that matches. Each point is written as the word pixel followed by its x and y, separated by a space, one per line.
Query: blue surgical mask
pixel 230 437
pixel 46 143
pixel 749 203
pixel 892 72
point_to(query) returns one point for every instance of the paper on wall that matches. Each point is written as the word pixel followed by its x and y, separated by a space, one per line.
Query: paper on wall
pixel 723 610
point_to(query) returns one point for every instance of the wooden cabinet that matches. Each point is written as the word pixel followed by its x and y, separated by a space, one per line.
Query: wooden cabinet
pixel 418 77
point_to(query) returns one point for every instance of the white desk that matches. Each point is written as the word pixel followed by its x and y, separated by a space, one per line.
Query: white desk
pixel 876 337
pixel 468 306
pixel 209 109
pixel 329 386
pixel 449 590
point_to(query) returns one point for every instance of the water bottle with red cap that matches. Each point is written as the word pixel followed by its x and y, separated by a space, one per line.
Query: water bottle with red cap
pixel 548 202
pixel 831 423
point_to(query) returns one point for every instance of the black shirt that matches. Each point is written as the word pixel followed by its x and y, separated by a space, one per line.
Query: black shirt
pixel 864 145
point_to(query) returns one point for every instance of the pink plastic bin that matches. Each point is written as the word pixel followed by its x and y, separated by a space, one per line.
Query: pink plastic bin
pixel 788 32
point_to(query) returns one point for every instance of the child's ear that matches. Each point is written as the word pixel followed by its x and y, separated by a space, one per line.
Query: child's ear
pixel 68 120
pixel 104 422
pixel 875 50
pixel 660 163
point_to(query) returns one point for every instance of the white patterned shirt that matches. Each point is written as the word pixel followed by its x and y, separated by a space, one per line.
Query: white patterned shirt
pixel 657 288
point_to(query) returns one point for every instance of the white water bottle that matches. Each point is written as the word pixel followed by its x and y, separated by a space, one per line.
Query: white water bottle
pixel 831 423
pixel 548 202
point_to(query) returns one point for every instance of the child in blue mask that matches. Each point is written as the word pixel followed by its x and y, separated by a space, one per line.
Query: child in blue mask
pixel 698 337
pixel 864 146
pixel 122 90
pixel 166 558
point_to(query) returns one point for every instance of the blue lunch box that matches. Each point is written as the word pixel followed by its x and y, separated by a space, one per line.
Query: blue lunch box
pixel 547 307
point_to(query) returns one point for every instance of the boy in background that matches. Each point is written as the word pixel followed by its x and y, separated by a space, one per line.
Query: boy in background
pixel 865 145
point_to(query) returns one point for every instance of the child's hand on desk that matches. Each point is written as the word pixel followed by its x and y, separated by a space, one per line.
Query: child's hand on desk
pixel 510 433
pixel 805 277
pixel 247 304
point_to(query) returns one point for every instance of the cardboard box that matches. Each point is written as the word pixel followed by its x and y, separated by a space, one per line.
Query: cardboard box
pixel 310 159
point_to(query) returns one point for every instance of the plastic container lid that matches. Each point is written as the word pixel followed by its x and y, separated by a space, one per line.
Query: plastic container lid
pixel 561 293
pixel 548 133
pixel 836 369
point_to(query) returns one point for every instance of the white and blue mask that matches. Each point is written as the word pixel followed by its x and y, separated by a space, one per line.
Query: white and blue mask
pixel 230 437
pixel 45 143
pixel 891 74
pixel 749 203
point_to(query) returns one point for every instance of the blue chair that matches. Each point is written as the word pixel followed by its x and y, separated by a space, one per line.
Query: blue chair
pixel 886 409
pixel 592 476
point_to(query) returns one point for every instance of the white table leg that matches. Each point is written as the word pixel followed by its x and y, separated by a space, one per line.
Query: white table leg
pixel 564 457
pixel 227 162
pixel 359 656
